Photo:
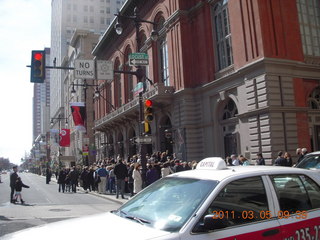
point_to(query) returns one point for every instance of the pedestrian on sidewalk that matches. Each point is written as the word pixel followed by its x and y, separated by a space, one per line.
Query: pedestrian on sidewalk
pixel 103 175
pixel 84 179
pixel 62 180
pixel 91 182
pixel 13 179
pixel 48 175
pixel 73 176
pixel 130 179
pixel 111 180
pixel 18 187
pixel 121 173
pixel 137 179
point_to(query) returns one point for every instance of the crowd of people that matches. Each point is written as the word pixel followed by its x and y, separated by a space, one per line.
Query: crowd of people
pixel 282 159
pixel 119 176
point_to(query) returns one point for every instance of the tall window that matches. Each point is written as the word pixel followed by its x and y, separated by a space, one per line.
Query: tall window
pixel 222 34
pixel 309 18
pixel 163 52
pixel 117 86
pixel 164 62
pixel 130 86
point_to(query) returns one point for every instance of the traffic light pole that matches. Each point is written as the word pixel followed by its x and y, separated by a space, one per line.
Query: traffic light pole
pixel 139 73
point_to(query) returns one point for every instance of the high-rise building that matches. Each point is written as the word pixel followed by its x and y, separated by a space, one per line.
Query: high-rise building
pixel 66 16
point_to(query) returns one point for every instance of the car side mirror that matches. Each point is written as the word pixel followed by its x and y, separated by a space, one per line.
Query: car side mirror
pixel 212 222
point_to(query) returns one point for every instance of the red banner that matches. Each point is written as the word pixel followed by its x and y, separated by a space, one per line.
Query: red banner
pixel 78 110
pixel 64 137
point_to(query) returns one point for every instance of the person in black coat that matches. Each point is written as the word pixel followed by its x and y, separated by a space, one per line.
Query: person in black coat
pixel 280 160
pixel 84 178
pixel 18 187
pixel 121 173
pixel 73 176
pixel 90 179
pixel 48 175
pixel 260 160
pixel 13 179
pixel 62 180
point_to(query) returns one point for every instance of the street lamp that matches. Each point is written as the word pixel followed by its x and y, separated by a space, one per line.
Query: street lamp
pixel 139 73
pixel 85 85
pixel 97 94
pixel 59 118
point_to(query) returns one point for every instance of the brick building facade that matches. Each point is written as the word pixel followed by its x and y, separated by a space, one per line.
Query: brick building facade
pixel 228 77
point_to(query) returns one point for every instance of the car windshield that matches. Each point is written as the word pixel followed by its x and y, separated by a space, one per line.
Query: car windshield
pixel 310 162
pixel 168 203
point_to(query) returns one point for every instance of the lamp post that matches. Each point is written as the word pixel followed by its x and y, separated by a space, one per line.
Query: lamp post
pixel 139 73
pixel 87 139
pixel 97 94
pixel 59 118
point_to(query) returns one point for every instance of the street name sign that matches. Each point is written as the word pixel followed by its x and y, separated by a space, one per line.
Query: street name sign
pixel 138 89
pixel 143 140
pixel 84 69
pixel 105 70
pixel 138 59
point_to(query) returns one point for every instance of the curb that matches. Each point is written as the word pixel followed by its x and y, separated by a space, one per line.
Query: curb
pixel 106 196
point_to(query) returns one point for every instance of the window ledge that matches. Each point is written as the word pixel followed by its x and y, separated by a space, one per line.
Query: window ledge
pixel 224 72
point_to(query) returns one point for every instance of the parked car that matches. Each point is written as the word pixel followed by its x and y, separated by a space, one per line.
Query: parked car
pixel 310 161
pixel 211 202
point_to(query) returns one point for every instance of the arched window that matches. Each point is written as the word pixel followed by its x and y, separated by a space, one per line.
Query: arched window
pixel 230 110
pixel 222 34
pixel 314 99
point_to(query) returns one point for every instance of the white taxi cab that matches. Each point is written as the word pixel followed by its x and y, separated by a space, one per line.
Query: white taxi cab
pixel 211 202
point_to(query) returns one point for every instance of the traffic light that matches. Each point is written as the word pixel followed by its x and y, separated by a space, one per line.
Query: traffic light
pixel 148 111
pixel 148 115
pixel 38 66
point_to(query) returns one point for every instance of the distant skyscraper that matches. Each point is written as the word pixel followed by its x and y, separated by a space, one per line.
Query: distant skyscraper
pixel 66 16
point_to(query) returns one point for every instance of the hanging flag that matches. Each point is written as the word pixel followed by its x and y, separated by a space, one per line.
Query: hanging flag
pixel 64 138
pixel 78 111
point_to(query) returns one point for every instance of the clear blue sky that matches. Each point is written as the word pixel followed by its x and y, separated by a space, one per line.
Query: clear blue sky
pixel 24 26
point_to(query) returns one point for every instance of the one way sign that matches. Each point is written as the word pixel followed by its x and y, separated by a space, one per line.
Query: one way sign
pixel 138 62
pixel 138 59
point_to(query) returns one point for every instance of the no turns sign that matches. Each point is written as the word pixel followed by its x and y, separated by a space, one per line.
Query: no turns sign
pixel 84 69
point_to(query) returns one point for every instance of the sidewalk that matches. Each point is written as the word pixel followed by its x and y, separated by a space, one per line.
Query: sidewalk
pixel 111 197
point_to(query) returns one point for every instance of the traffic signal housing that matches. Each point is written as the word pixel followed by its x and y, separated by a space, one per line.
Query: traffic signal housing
pixel 38 66
pixel 148 115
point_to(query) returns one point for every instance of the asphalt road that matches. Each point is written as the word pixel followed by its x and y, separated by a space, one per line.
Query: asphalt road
pixel 44 204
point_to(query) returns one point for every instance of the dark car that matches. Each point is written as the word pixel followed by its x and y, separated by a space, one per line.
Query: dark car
pixel 310 161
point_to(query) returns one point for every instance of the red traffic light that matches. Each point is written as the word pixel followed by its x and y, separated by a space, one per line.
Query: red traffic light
pixel 148 103
pixel 38 66
pixel 37 56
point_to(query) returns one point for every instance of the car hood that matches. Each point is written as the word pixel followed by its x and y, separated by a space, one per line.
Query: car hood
pixel 91 227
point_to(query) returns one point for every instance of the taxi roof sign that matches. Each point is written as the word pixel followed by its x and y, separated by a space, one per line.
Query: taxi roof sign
pixel 212 163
